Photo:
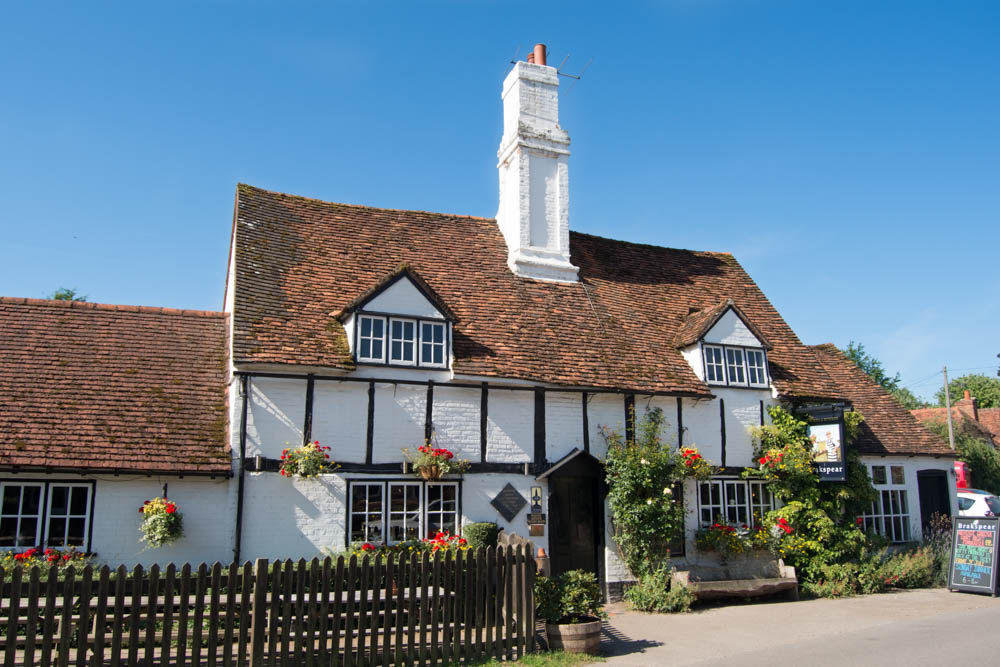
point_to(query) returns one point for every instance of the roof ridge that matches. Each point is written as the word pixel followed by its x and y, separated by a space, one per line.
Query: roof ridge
pixel 574 232
pixel 361 206
pixel 88 305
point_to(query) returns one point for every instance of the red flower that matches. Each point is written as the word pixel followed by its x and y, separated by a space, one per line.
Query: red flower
pixel 65 557
pixel 367 547
pixel 316 442
pixel 462 541
pixel 170 508
pixel 282 471
pixel 859 521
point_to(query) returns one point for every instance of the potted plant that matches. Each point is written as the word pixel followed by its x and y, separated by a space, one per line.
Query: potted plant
pixel 571 605
pixel 306 461
pixel 431 462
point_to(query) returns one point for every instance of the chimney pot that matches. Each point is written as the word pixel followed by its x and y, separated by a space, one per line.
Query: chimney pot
pixel 967 394
pixel 539 55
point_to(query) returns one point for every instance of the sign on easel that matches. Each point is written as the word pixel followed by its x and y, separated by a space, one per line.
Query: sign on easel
pixel 974 554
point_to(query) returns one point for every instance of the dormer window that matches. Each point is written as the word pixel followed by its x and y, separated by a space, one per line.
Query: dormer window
pixel 735 366
pixel 403 342
pixel 399 322
pixel 371 339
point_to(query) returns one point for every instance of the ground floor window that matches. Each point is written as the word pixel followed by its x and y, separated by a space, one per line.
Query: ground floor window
pixel 890 513
pixel 733 501
pixel 49 514
pixel 393 511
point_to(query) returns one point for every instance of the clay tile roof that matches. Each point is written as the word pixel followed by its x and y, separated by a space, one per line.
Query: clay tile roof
pixel 300 262
pixel 889 428
pixel 700 322
pixel 985 421
pixel 95 387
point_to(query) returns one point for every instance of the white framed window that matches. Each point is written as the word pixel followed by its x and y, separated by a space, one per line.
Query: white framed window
pixel 734 366
pixel 371 338
pixel 367 516
pixel 756 368
pixel 433 344
pixel 393 511
pixel 405 504
pixel 733 501
pixel 21 515
pixel 68 513
pixel 442 508
pixel 403 342
pixel 715 369
pixel 890 513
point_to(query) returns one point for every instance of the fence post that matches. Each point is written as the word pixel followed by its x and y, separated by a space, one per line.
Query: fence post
pixel 529 596
pixel 258 613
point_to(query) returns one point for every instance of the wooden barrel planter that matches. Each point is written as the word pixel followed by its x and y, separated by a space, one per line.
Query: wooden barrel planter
pixel 575 637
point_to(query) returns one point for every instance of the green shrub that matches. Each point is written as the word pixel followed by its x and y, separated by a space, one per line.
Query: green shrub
pixel 481 535
pixel 569 597
pixel 876 572
pixel 654 592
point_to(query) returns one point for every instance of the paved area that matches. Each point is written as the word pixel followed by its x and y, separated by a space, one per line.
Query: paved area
pixel 922 627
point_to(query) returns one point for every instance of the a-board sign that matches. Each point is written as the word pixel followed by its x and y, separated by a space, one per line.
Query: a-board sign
pixel 974 554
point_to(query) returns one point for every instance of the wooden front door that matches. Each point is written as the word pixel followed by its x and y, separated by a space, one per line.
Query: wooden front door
pixel 932 485
pixel 574 521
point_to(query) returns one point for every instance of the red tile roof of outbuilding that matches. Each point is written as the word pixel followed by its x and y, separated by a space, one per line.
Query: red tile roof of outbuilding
pixel 94 387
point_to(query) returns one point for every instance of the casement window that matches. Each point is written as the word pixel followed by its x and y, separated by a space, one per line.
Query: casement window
pixel 756 369
pixel 733 501
pixel 49 514
pixel 735 366
pixel 403 342
pixel 394 511
pixel 890 513
pixel 398 341
pixel 371 338
pixel 432 344
pixel 715 370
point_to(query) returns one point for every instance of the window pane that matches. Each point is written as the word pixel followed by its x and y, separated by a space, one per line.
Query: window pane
pixel 57 532
pixel 11 499
pixel 898 476
pixel 78 500
pixel 397 349
pixel 31 500
pixel 8 528
pixel 366 326
pixel 439 354
pixel 26 535
pixel 377 349
pixel 366 348
pixel 77 529
pixel 378 328
pixel 878 474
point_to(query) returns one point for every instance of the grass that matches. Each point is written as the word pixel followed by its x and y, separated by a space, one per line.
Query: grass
pixel 541 659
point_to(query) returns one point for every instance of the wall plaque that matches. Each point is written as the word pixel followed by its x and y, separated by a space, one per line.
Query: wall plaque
pixel 509 502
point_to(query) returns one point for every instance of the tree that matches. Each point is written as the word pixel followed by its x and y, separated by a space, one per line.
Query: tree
pixel 976 449
pixel 908 399
pixel 871 366
pixel 984 388
pixel 67 294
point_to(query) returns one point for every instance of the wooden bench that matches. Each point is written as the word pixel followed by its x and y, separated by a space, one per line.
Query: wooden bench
pixel 749 577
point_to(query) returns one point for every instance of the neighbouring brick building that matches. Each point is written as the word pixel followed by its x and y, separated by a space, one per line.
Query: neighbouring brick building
pixel 509 341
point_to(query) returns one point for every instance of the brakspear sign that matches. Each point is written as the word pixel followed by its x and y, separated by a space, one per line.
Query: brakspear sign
pixel 826 438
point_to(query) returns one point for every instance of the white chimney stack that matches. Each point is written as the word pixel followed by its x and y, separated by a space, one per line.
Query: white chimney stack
pixel 534 174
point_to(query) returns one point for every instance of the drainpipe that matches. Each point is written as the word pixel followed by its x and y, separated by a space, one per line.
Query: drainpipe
pixel 238 539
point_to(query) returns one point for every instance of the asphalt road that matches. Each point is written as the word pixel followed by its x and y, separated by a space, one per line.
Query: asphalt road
pixel 923 627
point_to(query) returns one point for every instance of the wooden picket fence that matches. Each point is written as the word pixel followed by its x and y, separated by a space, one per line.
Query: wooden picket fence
pixel 410 609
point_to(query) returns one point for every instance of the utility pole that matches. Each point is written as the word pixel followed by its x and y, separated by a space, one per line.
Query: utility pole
pixel 947 407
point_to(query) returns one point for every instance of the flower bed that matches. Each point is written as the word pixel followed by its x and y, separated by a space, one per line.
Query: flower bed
pixel 58 558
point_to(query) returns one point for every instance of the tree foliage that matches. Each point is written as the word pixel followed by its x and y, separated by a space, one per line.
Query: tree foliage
pixel 908 399
pixel 975 448
pixel 984 388
pixel 67 294
pixel 871 366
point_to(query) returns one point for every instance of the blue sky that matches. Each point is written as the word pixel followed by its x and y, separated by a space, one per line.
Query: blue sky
pixel 847 153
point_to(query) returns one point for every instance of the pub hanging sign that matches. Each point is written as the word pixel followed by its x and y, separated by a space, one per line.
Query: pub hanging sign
pixel 826 439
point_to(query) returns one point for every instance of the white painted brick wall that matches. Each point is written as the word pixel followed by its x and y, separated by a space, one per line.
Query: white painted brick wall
pixel 563 424
pixel 456 421
pixel 730 330
pixel 479 490
pixel 912 465
pixel 285 518
pixel 510 428
pixel 604 410
pixel 275 416
pixel 400 414
pixel 742 412
pixel 340 418
pixel 701 428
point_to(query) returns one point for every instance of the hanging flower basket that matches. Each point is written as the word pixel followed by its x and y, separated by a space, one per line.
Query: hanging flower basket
pixel 430 462
pixel 309 460
pixel 162 523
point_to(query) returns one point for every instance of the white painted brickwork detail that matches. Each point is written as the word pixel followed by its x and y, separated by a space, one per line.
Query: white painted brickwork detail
pixel 742 413
pixel 730 330
pixel 456 421
pixel 275 416
pixel 340 418
pixel 563 424
pixel 604 410
pixel 400 415
pixel 510 429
